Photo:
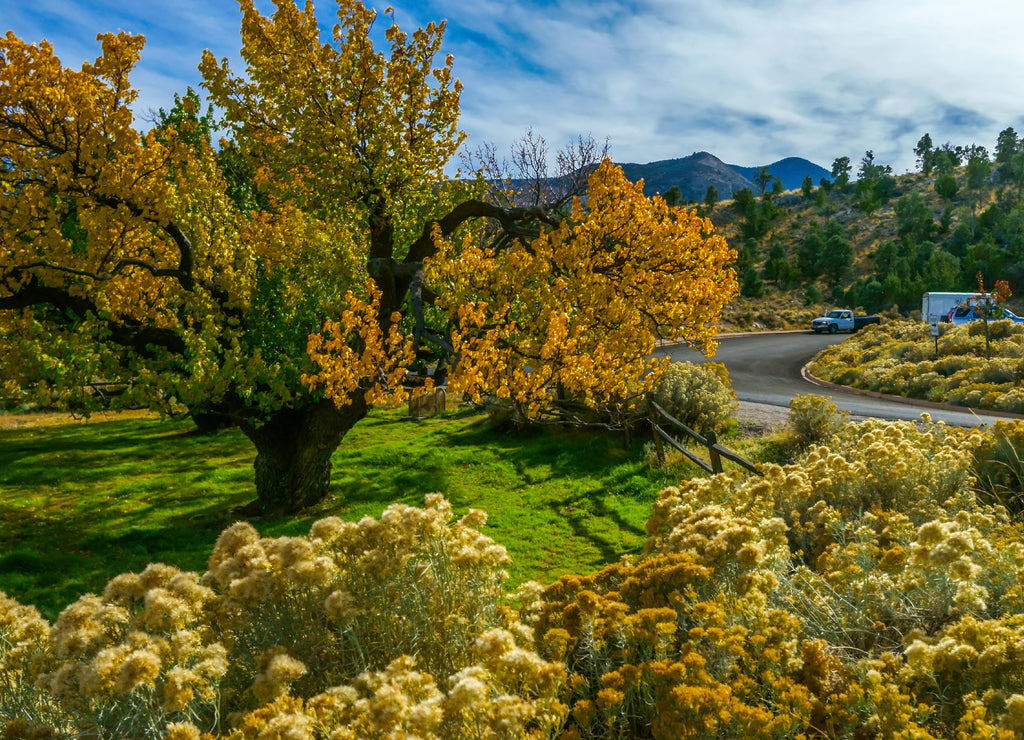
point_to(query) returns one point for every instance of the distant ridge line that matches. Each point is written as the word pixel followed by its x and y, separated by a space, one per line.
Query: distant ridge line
pixel 693 175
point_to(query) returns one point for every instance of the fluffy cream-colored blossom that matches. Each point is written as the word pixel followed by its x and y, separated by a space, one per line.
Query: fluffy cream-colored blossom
pixel 275 679
pixel 86 625
pixel 1013 720
pixel 183 731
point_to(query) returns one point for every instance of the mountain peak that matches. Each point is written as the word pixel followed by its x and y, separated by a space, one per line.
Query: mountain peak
pixel 791 170
pixel 695 173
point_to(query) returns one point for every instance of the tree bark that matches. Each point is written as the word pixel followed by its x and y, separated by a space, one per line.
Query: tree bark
pixel 293 454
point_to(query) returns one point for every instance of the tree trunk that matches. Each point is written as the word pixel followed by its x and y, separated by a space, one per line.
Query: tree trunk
pixel 293 455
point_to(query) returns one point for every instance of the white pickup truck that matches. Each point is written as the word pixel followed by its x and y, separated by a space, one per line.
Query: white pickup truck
pixel 841 319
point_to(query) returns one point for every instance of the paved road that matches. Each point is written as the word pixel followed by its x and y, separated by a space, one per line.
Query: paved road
pixel 765 368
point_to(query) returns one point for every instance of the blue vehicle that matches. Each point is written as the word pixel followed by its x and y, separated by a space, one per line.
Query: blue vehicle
pixel 966 314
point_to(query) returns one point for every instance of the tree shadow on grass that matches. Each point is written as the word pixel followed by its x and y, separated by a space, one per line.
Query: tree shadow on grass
pixel 577 450
pixel 86 454
pixel 592 514
pixel 50 577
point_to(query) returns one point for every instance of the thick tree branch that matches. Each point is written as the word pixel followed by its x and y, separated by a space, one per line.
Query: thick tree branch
pixel 131 334
pixel 118 269
pixel 186 252
pixel 516 222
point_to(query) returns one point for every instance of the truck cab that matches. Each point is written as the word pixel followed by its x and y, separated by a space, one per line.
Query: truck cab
pixel 840 319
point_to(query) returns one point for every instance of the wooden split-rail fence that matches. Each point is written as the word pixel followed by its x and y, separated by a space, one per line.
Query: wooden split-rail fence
pixel 660 417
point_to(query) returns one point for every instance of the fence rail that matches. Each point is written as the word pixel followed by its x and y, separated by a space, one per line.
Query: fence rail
pixel 715 451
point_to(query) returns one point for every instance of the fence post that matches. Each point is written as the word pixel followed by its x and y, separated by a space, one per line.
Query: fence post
pixel 716 460
pixel 657 439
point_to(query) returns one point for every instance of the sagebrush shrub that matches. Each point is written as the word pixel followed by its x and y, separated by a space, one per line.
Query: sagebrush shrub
pixel 865 590
pixel 699 395
pixel 892 564
pixel 900 358
pixel 814 419
pixel 399 625
pixel 999 464
pixel 655 650
pixel 996 329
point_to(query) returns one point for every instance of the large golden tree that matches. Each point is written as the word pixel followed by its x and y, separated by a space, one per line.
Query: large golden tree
pixel 285 280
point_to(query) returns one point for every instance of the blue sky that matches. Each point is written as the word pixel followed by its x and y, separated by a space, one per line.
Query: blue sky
pixel 751 81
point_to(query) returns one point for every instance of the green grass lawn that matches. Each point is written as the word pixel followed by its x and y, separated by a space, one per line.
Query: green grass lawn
pixel 82 502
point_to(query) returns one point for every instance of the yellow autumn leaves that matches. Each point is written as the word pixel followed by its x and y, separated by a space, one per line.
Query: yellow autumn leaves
pixel 573 314
pixel 580 307
pixel 354 354
pixel 271 306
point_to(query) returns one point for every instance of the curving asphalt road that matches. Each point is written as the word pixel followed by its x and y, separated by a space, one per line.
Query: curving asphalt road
pixel 765 368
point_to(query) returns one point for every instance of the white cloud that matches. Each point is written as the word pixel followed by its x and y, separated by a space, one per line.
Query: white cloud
pixel 751 81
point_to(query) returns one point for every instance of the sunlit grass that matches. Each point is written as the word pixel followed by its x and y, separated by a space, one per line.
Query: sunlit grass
pixel 82 502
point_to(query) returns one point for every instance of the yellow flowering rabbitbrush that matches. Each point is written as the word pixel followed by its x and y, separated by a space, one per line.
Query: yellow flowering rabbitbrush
pixel 292 637
pixel 866 590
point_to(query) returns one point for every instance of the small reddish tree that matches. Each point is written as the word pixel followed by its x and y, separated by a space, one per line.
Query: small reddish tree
pixel 990 306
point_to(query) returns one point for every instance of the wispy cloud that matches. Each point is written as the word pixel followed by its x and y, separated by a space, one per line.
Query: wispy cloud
pixel 751 81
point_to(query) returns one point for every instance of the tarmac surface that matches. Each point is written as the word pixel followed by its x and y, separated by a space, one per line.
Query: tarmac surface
pixel 768 369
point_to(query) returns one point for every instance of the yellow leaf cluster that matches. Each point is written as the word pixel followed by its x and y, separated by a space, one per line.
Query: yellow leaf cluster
pixel 354 354
pixel 576 312
pixel 339 127
pixel 73 162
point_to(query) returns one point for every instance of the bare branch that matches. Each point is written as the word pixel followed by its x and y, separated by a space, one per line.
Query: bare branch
pixel 527 180
pixel 516 222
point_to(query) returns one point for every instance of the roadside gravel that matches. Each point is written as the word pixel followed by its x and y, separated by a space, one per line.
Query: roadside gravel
pixel 762 416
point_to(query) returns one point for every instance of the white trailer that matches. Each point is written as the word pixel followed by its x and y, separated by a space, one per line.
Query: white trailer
pixel 935 307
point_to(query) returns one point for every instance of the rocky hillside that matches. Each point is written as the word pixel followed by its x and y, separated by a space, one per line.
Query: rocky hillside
pixel 878 242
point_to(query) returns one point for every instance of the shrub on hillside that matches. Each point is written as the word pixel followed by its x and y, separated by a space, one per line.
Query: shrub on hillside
pixel 656 650
pixel 996 329
pixel 899 358
pixel 1011 401
pixel 893 568
pixel 999 465
pixel 959 341
pixel 699 395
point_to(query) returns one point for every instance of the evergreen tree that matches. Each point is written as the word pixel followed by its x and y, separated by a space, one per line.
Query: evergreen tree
pixel 924 150
pixel 711 198
pixel 1006 145
pixel 752 285
pixel 946 186
pixel 914 218
pixel 777 267
pixel 673 195
pixel 841 172
pixel 837 257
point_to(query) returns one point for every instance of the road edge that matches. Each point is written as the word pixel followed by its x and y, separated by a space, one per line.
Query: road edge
pixel 806 374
